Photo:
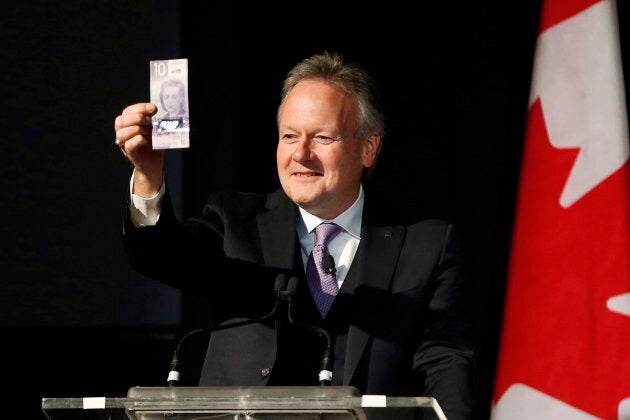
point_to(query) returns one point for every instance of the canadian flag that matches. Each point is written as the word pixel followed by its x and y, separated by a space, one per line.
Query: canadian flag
pixel 564 350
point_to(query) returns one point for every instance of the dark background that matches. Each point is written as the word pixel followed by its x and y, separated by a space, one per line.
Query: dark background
pixel 75 321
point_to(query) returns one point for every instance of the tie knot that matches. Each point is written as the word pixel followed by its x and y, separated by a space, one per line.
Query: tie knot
pixel 325 232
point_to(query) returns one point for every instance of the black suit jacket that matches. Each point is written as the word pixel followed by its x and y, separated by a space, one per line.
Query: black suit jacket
pixel 405 329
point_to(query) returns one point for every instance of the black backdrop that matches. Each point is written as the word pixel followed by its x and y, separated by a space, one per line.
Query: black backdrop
pixel 75 320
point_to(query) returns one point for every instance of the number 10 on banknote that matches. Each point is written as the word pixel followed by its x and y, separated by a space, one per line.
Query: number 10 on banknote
pixel 169 91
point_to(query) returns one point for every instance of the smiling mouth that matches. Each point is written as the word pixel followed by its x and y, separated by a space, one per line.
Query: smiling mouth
pixel 306 174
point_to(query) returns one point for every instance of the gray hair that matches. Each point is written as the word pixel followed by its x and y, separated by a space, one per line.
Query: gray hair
pixel 351 77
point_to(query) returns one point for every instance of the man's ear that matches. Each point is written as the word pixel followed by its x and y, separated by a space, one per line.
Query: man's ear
pixel 371 149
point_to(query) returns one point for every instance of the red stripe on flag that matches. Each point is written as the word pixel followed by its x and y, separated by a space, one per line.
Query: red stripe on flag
pixel 560 338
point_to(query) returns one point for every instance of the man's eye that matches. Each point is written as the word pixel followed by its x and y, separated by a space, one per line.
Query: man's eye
pixel 324 139
pixel 289 138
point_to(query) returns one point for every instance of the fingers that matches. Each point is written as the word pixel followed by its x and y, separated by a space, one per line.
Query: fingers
pixel 124 134
pixel 141 108
pixel 134 122
pixel 137 114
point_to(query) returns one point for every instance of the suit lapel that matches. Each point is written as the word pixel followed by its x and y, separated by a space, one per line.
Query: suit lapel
pixel 369 277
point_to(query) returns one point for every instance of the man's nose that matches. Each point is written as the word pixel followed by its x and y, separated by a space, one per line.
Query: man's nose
pixel 302 150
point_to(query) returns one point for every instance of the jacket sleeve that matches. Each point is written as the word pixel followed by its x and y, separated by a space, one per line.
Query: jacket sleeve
pixel 445 360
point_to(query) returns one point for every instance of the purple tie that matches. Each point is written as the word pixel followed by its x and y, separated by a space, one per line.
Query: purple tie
pixel 322 282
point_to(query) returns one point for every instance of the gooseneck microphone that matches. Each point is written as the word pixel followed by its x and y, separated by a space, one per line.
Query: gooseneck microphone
pixel 325 374
pixel 281 294
pixel 173 375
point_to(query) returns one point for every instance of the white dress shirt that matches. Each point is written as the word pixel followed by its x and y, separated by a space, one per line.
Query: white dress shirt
pixel 343 246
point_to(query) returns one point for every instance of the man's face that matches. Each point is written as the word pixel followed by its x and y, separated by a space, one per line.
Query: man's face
pixel 319 159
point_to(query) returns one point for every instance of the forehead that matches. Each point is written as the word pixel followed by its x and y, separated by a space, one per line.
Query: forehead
pixel 316 97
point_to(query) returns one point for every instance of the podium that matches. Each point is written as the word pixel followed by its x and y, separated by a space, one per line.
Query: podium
pixel 244 403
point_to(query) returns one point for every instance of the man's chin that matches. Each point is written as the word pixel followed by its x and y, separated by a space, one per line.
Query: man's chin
pixel 305 201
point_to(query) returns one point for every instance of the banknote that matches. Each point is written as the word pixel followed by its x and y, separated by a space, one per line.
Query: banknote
pixel 169 91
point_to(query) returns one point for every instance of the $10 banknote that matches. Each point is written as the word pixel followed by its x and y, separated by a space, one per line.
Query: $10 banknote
pixel 169 91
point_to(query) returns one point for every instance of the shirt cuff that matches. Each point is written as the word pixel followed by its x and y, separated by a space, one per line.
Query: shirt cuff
pixel 145 211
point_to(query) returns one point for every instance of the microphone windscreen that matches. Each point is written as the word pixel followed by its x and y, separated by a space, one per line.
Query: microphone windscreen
pixel 281 283
pixel 292 286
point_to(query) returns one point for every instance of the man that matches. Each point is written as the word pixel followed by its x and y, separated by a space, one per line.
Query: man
pixel 397 322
